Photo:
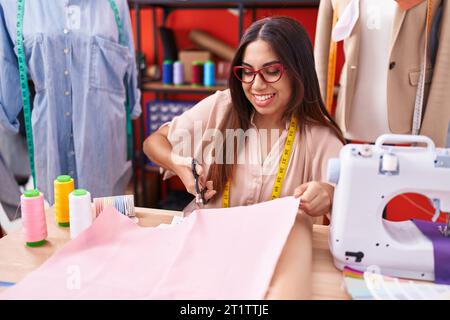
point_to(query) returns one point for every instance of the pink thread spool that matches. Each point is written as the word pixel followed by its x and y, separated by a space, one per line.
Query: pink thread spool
pixel 33 218
pixel 197 73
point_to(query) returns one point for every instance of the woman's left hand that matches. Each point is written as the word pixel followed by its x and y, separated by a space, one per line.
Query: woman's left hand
pixel 315 198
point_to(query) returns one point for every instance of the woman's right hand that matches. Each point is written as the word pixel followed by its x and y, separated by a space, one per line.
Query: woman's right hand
pixel 184 171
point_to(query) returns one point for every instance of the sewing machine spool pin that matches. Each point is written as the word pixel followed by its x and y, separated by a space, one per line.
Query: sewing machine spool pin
pixel 389 164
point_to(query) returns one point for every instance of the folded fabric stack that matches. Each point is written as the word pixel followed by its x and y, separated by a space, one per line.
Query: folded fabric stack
pixel 375 286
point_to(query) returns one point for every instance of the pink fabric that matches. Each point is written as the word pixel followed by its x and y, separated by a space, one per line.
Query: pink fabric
pixel 214 254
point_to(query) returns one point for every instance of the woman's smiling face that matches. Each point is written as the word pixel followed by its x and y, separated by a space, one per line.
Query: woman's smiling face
pixel 268 99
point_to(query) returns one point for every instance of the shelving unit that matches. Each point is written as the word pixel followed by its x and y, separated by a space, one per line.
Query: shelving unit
pixel 240 5
pixel 158 88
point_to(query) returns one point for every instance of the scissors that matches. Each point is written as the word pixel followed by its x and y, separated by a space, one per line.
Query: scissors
pixel 200 194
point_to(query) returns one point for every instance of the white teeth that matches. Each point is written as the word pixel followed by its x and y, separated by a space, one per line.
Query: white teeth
pixel 263 97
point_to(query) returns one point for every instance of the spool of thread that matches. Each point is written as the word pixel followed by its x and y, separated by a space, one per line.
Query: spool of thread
pixel 389 163
pixel 222 72
pixel 197 73
pixel 63 185
pixel 178 73
pixel 208 74
pixel 33 218
pixel 153 72
pixel 80 212
pixel 167 72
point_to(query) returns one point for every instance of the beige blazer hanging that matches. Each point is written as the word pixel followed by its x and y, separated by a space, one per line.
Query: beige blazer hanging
pixel 406 54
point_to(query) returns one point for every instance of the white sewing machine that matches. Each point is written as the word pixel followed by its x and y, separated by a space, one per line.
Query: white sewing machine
pixel 367 177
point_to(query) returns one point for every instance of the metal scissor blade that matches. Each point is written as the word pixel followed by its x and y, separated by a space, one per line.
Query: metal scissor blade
pixel 191 207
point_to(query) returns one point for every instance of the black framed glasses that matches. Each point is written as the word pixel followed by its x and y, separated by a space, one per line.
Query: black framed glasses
pixel 270 74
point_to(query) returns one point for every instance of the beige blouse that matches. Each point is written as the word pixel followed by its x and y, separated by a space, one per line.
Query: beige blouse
pixel 253 180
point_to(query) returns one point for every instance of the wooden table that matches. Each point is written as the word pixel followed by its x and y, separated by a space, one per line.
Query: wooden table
pixel 17 260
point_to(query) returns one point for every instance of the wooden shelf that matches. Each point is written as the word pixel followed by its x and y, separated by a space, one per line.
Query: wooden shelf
pixel 215 4
pixel 185 88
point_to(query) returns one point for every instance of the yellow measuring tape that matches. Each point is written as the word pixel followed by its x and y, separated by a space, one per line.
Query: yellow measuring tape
pixel 331 70
pixel 284 161
pixel 226 195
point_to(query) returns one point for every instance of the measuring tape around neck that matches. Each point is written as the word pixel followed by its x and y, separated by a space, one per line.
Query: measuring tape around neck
pixel 25 91
pixel 284 161
pixel 418 106
pixel 331 72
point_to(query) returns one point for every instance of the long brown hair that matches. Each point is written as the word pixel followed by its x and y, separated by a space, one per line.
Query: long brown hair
pixel 291 44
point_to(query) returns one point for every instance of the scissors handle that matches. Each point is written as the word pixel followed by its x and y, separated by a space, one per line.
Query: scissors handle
pixel 200 193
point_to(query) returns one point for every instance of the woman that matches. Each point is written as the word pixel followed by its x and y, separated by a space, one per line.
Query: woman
pixel 282 48
pixel 273 88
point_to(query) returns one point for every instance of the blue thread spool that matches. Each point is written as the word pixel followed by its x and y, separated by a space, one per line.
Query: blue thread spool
pixel 178 73
pixel 208 74
pixel 167 72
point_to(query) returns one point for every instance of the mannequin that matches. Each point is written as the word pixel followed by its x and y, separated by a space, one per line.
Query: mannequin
pixel 83 69
pixel 384 45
